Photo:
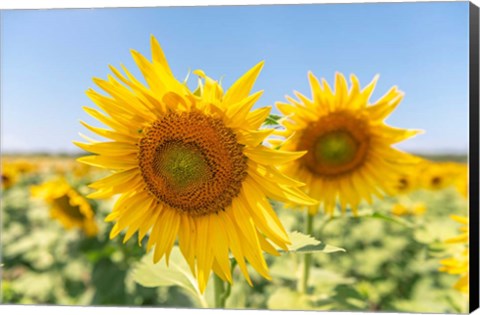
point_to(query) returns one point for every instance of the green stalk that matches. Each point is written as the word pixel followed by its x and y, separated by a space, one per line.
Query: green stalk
pixel 222 293
pixel 307 262
pixel 219 289
pixel 226 294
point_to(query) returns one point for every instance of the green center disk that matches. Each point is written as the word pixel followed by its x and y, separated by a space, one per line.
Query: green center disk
pixel 182 165
pixel 335 148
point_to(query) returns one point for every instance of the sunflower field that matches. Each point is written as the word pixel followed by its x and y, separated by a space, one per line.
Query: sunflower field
pixel 198 200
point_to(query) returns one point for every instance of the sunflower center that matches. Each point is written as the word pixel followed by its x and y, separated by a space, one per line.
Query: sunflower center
pixel 402 184
pixel 337 147
pixel 337 144
pixel 63 203
pixel 192 162
pixel 182 165
pixel 5 178
pixel 436 181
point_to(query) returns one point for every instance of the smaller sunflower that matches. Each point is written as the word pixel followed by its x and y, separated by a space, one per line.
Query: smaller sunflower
pixel 405 183
pixel 438 175
pixel 458 264
pixel 67 205
pixel 80 170
pixel 350 155
pixel 461 181
pixel 9 175
pixel 463 237
pixel 24 167
pixel 416 209
pixel 399 210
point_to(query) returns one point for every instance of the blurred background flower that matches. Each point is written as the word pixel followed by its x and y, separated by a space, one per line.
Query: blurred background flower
pixel 350 155
pixel 66 205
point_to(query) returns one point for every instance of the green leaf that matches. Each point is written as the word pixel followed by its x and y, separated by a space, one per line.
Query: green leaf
pixel 302 243
pixel 272 120
pixel 109 282
pixel 177 273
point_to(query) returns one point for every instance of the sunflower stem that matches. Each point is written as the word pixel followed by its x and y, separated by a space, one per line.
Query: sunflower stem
pixel 226 294
pixel 219 287
pixel 307 262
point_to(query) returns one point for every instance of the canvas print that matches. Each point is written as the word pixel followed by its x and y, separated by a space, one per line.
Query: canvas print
pixel 289 157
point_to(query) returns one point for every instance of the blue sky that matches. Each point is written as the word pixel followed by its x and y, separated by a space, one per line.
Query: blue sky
pixel 50 56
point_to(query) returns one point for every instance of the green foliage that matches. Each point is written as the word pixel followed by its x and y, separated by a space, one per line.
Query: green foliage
pixel 302 244
pixel 378 262
pixel 272 120
pixel 44 263
pixel 394 260
pixel 177 273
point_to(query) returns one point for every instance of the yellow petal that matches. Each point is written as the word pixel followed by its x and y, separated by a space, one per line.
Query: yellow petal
pixel 108 148
pixel 257 117
pixel 110 134
pixel 124 162
pixel 242 87
pixel 282 192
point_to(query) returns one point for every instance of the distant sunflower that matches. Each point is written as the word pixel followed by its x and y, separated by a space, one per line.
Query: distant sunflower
pixel 67 205
pixel 437 175
pixel 405 183
pixel 463 237
pixel 9 175
pixel 402 209
pixel 192 166
pixel 349 156
pixel 459 263
pixel 461 182
pixel 24 167
pixel 81 170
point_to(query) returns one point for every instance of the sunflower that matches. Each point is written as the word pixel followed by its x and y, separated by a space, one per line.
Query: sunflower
pixel 399 209
pixel 9 175
pixel 461 180
pixel 80 170
pixel 191 166
pixel 349 157
pixel 403 209
pixel 405 183
pixel 437 175
pixel 67 205
pixel 463 237
pixel 458 264
pixel 24 167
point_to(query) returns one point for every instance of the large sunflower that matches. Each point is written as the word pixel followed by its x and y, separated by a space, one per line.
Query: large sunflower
pixel 67 205
pixel 191 166
pixel 349 157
